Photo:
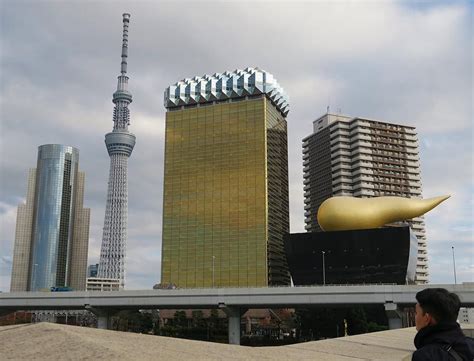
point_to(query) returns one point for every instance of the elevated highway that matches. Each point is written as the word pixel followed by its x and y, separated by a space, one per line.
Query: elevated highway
pixel 233 301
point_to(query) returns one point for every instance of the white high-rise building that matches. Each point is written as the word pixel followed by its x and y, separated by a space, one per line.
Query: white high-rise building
pixel 120 143
pixel 364 158
pixel 466 315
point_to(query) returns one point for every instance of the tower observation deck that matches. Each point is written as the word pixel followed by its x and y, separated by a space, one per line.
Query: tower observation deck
pixel 120 143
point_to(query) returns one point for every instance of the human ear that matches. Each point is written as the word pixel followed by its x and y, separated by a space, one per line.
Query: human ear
pixel 429 319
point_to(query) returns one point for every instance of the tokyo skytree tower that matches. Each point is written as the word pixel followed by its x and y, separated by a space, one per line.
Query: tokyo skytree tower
pixel 120 143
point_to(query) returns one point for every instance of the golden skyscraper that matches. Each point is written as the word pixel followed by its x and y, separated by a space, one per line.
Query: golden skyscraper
pixel 225 203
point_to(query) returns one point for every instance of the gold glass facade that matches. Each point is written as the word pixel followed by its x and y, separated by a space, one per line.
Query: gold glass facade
pixel 225 197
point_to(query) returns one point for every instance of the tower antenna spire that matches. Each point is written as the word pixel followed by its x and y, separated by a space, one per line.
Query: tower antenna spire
pixel 126 20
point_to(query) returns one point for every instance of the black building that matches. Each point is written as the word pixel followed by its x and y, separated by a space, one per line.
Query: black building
pixel 381 255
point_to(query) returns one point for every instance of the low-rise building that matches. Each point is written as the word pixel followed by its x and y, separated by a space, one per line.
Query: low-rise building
pixel 102 284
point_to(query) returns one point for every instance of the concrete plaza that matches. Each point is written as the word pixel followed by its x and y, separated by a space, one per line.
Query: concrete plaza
pixel 46 341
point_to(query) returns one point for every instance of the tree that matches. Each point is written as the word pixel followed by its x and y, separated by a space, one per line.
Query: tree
pixel 133 321
pixel 155 316
pixel 198 319
pixel 180 320
pixel 356 321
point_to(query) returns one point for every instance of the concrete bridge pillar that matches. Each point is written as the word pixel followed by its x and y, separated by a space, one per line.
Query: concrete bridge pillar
pixel 104 317
pixel 394 316
pixel 104 321
pixel 233 314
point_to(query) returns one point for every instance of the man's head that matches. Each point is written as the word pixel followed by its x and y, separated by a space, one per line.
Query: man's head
pixel 436 305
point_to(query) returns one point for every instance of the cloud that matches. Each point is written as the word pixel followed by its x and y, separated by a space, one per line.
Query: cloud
pixel 394 61
pixel 6 260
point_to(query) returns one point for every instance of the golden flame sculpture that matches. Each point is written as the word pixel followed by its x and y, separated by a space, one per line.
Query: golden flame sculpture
pixel 349 213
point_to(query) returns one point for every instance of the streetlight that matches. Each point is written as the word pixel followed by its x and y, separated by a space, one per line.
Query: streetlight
pixel 454 266
pixel 324 269
pixel 213 270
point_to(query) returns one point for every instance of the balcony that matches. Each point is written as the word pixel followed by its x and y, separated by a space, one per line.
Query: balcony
pixel 360 134
pixel 361 172
pixel 341 173
pixel 339 136
pixel 360 123
pixel 360 144
pixel 342 187
pixel 364 193
pixel 338 132
pixel 414 177
pixel 340 165
pixel 363 160
pixel 421 277
pixel 340 146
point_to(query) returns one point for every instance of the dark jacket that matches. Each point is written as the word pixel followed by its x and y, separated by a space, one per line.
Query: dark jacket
pixel 431 343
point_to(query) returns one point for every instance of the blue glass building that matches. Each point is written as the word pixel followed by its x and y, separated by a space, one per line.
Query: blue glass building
pixel 52 228
pixel 52 232
pixel 92 270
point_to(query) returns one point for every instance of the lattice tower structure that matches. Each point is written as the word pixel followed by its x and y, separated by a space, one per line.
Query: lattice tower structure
pixel 120 143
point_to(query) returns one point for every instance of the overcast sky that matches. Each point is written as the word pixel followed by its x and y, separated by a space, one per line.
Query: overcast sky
pixel 402 62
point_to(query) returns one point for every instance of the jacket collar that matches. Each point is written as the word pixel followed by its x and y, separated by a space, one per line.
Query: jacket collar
pixel 442 333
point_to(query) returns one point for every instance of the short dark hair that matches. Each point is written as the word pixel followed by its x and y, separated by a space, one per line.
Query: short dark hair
pixel 440 303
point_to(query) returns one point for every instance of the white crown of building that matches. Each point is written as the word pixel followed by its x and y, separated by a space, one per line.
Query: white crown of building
pixel 228 85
